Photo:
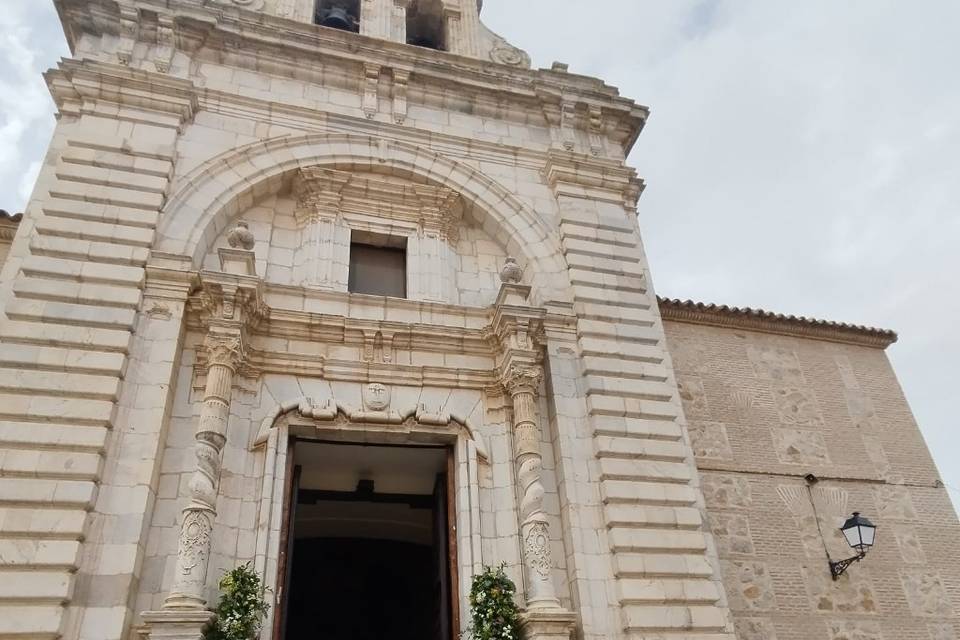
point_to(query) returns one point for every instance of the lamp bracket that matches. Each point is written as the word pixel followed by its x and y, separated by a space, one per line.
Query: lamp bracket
pixel 838 568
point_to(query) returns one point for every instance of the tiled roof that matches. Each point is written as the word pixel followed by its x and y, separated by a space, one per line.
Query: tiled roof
pixel 767 321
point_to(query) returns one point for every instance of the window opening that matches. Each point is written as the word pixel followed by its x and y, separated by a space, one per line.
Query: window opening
pixel 425 26
pixel 378 265
pixel 338 14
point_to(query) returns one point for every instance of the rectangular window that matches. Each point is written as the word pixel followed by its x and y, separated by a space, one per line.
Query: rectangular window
pixel 378 265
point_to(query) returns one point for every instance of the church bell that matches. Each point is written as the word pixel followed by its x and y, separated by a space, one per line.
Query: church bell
pixel 337 18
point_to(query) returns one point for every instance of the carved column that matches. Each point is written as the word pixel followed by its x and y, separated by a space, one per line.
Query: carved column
pixel 523 384
pixel 224 354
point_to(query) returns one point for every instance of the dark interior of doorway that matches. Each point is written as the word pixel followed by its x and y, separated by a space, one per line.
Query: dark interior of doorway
pixel 375 561
pixel 356 589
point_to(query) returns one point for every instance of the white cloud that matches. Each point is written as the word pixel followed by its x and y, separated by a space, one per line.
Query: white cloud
pixel 801 157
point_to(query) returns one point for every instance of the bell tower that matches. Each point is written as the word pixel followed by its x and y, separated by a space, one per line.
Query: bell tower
pixel 252 213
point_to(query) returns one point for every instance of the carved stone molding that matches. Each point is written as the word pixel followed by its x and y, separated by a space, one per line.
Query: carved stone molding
pixel 523 379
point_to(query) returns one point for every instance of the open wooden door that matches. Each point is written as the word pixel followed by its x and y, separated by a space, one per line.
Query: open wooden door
pixel 285 561
pixel 447 625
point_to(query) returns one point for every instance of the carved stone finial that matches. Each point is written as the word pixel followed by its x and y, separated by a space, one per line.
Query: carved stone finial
pixel 511 273
pixel 241 236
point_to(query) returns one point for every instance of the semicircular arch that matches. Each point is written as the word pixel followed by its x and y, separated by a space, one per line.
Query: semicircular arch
pixel 219 189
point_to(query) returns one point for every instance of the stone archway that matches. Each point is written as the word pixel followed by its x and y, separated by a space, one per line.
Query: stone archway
pixel 213 193
pixel 332 420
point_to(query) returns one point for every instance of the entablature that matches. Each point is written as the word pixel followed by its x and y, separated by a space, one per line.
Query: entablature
pixel 147 33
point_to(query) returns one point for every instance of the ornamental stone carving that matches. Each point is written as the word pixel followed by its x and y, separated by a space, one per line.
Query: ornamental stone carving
pixel 511 273
pixel 241 236
pixel 376 397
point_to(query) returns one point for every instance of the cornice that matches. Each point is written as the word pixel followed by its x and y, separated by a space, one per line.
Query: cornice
pixel 768 322
pixel 270 44
pixel 8 225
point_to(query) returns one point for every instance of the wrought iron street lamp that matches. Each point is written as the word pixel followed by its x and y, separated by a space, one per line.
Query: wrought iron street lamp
pixel 859 533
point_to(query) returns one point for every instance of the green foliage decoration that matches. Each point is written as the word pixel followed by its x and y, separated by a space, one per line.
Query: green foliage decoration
pixel 493 611
pixel 241 608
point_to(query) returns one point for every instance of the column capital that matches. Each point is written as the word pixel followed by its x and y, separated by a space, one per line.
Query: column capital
pixel 224 349
pixel 229 302
pixel 522 378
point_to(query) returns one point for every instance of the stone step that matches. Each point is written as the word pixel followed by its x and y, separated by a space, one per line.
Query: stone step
pixel 628 427
pixel 89 293
pixel 600 264
pixel 605 281
pixel 108 159
pixel 647 493
pixel 39 493
pixel 42 266
pixel 589 233
pixel 657 390
pixel 62 437
pixel 667 591
pixel 110 178
pixel 35 586
pixel 641 565
pixel 30 622
pixel 608 405
pixel 58 383
pixel 642 333
pixel 635 540
pixel 116 196
pixel 87 251
pixel 652 517
pixel 95 231
pixel 645 470
pixel 43 358
pixel 44 311
pixel 626 369
pixel 99 212
pixel 40 555
pixel 624 350
pixel 66 335
pixel 45 408
pixel 641 448
pixel 25 463
pixel 676 619
pixel 35 523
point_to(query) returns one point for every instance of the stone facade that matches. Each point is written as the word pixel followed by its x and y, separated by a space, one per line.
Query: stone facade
pixel 770 401
pixel 175 307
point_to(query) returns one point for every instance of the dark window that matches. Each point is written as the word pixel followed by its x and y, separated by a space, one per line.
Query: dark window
pixel 425 27
pixel 378 265
pixel 338 14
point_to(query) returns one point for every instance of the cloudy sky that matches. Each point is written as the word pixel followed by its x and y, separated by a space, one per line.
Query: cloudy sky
pixel 802 157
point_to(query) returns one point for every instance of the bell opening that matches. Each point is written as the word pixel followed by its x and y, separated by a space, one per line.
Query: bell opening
pixel 425 25
pixel 338 14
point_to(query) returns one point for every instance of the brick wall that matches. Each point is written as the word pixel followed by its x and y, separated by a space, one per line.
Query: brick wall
pixel 764 410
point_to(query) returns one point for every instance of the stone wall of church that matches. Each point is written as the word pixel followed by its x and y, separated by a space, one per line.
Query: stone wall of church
pixel 764 411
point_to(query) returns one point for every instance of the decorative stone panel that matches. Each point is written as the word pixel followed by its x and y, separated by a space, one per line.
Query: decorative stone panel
pixel 732 533
pixel 749 586
pixel 909 544
pixel 853 593
pixel 797 407
pixel 755 629
pixel 942 632
pixel 798 446
pixel 925 593
pixel 693 396
pixel 894 503
pixel 854 630
pixel 726 492
pixel 775 363
pixel 709 440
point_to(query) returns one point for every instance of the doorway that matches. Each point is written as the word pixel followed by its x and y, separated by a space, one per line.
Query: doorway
pixel 369 544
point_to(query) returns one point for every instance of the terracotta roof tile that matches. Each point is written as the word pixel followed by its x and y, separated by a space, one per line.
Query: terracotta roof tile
pixel 768 321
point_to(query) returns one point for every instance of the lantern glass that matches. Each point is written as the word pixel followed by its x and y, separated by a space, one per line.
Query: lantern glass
pixel 859 532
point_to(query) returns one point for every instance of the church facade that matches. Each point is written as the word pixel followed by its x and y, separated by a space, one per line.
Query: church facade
pixel 343 289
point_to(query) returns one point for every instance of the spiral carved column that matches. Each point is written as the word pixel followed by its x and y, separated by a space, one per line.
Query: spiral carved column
pixel 523 383
pixel 193 554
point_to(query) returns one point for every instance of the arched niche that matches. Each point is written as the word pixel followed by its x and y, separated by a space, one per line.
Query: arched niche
pixel 211 195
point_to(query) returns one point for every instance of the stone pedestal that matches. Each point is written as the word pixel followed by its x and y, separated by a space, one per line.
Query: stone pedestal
pixel 547 625
pixel 171 624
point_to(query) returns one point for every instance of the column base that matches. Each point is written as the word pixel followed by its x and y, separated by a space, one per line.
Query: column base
pixel 554 624
pixel 175 625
